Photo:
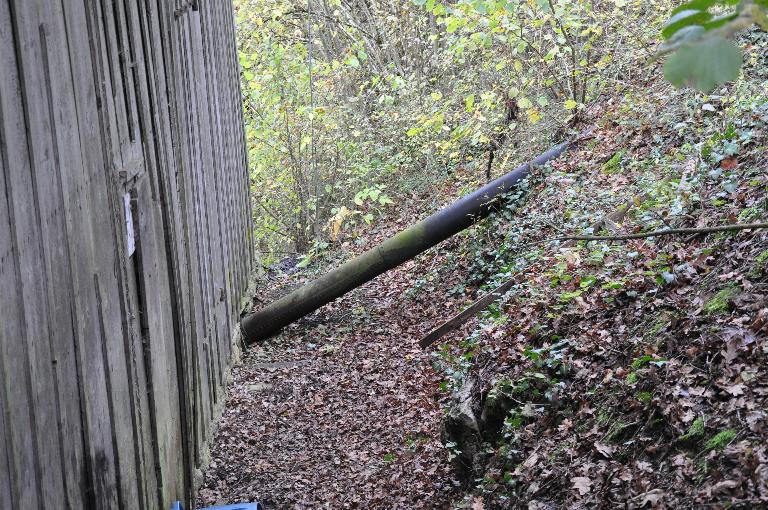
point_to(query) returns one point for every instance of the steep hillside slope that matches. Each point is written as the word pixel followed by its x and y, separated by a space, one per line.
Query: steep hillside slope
pixel 615 373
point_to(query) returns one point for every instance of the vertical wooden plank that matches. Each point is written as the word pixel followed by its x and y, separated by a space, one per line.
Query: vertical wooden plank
pixel 228 115
pixel 18 428
pixel 155 86
pixel 35 193
pixel 194 203
pixel 176 87
pixel 120 160
pixel 209 190
pixel 209 66
pixel 231 115
pixel 160 344
pixel 115 98
pixel 58 110
pixel 6 499
pixel 239 136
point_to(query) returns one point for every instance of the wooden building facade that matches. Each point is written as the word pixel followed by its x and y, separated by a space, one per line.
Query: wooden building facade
pixel 125 245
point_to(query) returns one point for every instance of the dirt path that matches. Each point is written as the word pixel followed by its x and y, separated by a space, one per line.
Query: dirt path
pixel 339 412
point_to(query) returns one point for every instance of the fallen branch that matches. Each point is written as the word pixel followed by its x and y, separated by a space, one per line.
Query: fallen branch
pixel 471 310
pixel 663 232
pixel 610 221
pixel 484 301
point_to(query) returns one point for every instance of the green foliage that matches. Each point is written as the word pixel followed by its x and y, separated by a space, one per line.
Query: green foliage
pixel 613 165
pixel 695 431
pixel 645 397
pixel 720 440
pixel 403 94
pixel 704 65
pixel 721 301
pixel 647 359
pixel 699 31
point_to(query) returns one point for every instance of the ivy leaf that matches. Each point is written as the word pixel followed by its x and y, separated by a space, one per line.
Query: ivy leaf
pixel 481 7
pixel 704 64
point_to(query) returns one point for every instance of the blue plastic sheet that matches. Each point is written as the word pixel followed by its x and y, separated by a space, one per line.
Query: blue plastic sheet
pixel 239 506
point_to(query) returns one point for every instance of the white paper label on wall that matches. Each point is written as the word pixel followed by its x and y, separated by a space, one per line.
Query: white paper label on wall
pixel 130 236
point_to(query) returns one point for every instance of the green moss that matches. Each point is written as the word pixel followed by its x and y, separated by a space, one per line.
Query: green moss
pixel 760 265
pixel 404 240
pixel 720 440
pixel 613 165
pixel 631 378
pixel 695 431
pixel 658 325
pixel 644 397
pixel 721 302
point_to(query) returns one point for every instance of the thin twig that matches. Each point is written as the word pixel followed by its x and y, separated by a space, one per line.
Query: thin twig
pixel 665 232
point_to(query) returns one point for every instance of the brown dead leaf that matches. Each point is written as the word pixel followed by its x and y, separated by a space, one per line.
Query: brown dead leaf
pixel 736 389
pixel 729 163
pixel 582 484
pixel 605 450
pixel 652 497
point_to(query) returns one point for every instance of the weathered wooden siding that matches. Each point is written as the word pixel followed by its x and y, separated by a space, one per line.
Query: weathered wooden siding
pixel 116 116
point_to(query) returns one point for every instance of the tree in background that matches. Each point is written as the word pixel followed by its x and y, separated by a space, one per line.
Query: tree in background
pixel 402 93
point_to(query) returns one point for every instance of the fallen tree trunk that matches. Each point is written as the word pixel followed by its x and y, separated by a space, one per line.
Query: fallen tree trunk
pixel 394 251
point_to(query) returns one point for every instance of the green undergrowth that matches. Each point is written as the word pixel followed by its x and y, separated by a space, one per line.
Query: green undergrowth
pixel 616 355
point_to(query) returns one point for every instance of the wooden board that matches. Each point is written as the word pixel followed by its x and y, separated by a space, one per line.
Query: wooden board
pixel 114 346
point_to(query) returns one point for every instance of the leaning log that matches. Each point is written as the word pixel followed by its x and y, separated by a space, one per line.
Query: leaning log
pixel 391 253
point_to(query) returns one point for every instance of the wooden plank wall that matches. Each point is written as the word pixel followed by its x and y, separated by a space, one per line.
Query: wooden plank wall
pixel 124 246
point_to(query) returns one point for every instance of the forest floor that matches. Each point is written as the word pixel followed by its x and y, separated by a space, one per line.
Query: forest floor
pixel 622 374
pixel 339 411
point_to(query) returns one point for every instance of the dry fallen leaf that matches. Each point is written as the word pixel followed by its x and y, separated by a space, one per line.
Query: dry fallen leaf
pixel 605 449
pixel 652 497
pixel 582 484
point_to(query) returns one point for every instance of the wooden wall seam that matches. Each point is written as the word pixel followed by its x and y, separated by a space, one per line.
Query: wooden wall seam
pixel 124 246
